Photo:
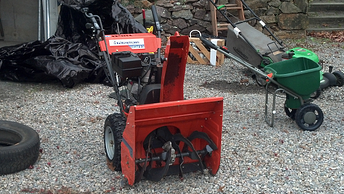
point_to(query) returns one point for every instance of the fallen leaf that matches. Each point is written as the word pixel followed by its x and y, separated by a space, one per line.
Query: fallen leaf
pixel 221 188
pixel 337 36
pixel 110 165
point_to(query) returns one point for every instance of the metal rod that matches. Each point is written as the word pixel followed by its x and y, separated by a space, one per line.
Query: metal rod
pixel 266 28
pixel 158 30
pixel 113 78
pixel 273 111
pixel 251 67
pixel 47 6
pixel 223 14
pixel 39 30
pixel 159 158
pixel 236 29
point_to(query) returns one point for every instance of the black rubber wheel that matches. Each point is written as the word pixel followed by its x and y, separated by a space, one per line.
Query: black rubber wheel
pixel 113 133
pixel 309 117
pixel 19 147
pixel 290 112
pixel 331 78
pixel 324 83
pixel 316 94
pixel 340 78
pixel 260 80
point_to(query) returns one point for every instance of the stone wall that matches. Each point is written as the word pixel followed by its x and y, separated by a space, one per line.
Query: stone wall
pixel 285 18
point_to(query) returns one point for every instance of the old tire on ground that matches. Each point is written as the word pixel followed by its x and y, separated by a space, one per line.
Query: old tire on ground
pixel 340 78
pixel 19 147
pixel 309 117
pixel 113 132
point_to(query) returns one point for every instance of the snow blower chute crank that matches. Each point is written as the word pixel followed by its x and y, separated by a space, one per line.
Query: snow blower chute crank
pixel 157 132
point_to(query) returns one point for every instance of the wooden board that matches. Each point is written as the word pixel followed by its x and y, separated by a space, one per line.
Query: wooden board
pixel 198 54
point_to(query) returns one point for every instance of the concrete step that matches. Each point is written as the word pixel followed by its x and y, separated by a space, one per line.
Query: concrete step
pixel 326 15
pixel 323 6
pixel 325 26
pixel 321 29
pixel 326 1
pixel 326 23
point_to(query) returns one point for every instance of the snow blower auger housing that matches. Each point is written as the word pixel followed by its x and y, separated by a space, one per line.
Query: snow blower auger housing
pixel 157 132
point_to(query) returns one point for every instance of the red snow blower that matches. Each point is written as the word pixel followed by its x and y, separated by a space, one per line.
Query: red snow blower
pixel 157 132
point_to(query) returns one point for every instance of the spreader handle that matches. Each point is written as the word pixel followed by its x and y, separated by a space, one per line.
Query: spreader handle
pixel 212 45
pixel 208 43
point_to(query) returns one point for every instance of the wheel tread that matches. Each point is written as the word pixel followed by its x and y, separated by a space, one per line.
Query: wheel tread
pixel 117 123
pixel 300 120
pixel 18 157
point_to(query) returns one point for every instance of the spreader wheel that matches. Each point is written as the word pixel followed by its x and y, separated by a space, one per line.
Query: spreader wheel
pixel 340 78
pixel 316 94
pixel 113 132
pixel 309 117
pixel 261 81
pixel 290 112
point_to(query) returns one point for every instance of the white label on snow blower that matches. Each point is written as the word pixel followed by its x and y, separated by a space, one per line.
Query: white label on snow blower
pixel 132 43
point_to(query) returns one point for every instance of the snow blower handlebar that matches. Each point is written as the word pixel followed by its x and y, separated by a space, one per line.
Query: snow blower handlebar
pixel 109 72
pixel 158 31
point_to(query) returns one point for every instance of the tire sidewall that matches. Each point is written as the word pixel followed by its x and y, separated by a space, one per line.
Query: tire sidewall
pixel 27 134
pixel 340 78
pixel 117 124
pixel 22 154
pixel 300 113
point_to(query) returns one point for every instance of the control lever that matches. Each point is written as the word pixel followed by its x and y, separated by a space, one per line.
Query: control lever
pixel 158 30
pixel 92 17
pixel 117 24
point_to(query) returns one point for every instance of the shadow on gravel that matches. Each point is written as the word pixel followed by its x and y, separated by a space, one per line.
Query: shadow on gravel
pixel 236 87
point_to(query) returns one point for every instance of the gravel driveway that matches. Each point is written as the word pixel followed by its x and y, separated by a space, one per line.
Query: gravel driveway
pixel 256 158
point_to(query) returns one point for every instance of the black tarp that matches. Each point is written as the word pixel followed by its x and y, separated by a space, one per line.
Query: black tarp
pixel 71 55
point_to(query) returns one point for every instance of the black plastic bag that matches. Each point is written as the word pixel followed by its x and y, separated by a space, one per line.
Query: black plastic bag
pixel 72 55
pixel 115 19
pixel 57 58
